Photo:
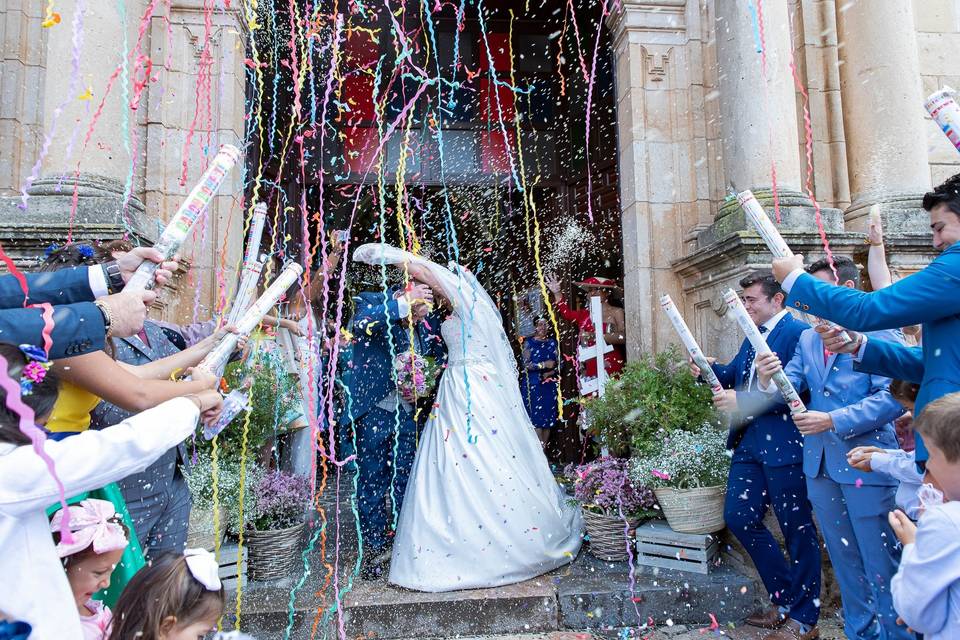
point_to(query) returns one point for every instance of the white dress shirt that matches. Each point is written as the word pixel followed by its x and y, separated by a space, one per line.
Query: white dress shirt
pixel 926 588
pixel 33 585
pixel 769 325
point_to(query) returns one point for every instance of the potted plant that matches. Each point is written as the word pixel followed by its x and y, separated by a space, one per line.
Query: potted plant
pixel 688 474
pixel 199 478
pixel 653 396
pixel 275 527
pixel 613 505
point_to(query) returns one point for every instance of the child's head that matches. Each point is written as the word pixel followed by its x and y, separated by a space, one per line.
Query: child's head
pixel 939 424
pixel 99 539
pixel 905 393
pixel 28 366
pixel 176 597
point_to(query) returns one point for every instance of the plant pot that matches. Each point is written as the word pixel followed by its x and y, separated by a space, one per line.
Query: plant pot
pixel 273 554
pixel 200 531
pixel 692 510
pixel 607 540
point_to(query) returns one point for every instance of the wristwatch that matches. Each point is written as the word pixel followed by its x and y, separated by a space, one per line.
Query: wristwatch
pixel 114 278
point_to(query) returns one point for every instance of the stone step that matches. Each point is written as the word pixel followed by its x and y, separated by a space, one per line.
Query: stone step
pixel 587 594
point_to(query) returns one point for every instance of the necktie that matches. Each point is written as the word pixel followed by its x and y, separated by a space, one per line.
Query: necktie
pixel 751 356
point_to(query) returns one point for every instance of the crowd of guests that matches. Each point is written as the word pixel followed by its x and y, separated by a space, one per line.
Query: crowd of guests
pixel 881 492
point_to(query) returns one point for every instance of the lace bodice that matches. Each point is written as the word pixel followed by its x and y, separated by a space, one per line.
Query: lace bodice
pixel 452 330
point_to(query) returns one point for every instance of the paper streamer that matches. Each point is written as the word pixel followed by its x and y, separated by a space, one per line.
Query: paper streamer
pixel 690 343
pixel 216 360
pixel 943 108
pixel 760 346
pixel 774 241
pixel 187 215
pixel 245 290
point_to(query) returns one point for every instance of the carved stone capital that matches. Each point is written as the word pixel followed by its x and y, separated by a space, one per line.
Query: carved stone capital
pixel 657 20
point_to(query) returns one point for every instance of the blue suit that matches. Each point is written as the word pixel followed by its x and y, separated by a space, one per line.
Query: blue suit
pixel 78 324
pixel 851 505
pixel 385 438
pixel 928 297
pixel 766 470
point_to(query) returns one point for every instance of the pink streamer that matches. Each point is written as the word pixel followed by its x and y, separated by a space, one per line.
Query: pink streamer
pixel 761 34
pixel 593 75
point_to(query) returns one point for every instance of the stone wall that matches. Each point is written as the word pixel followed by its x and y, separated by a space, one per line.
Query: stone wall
pixel 938 41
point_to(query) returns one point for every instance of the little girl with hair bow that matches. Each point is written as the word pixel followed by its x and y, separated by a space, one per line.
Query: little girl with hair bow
pixel 99 538
pixel 175 597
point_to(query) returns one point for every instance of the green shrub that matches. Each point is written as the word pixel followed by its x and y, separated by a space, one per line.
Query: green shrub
pixel 652 397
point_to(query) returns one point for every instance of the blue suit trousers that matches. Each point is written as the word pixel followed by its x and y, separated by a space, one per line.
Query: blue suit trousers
pixel 864 552
pixel 385 453
pixel 752 487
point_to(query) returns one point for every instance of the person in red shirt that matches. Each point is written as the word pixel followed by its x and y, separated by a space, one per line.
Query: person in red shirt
pixel 613 323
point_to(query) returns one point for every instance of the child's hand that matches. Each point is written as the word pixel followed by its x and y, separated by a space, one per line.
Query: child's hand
pixel 903 527
pixel 859 457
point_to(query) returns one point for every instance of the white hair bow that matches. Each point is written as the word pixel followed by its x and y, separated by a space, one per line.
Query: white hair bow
pixel 204 568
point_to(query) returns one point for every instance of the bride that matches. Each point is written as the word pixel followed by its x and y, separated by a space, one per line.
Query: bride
pixel 482 508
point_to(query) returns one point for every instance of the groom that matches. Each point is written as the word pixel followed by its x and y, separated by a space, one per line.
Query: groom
pixel 382 419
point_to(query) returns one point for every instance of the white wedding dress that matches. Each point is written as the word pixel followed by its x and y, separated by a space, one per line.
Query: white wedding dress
pixel 482 508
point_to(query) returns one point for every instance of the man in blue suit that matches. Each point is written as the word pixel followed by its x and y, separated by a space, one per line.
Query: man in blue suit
pixel 766 470
pixel 847 409
pixel 928 297
pixel 384 325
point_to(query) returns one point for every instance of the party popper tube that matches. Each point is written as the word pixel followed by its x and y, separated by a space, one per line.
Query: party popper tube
pixel 248 284
pixel 690 343
pixel 187 215
pixel 216 360
pixel 257 221
pixel 760 346
pixel 771 236
pixel 943 108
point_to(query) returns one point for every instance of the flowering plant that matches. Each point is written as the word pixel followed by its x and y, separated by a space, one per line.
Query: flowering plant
pixel 280 501
pixel 199 477
pixel 605 487
pixel 415 374
pixel 685 460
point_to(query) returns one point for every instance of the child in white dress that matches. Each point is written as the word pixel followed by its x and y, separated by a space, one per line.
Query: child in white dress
pixel 926 589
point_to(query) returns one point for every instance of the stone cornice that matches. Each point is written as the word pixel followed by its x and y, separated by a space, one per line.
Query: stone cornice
pixel 664 17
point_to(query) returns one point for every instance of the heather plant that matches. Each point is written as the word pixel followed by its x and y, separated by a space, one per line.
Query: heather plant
pixel 685 460
pixel 604 486
pixel 280 501
pixel 652 398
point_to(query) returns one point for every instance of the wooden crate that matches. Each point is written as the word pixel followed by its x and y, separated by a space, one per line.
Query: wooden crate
pixel 660 546
pixel 228 566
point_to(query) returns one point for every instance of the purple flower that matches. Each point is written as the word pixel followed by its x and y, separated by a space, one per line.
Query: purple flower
pixel 606 485
pixel 281 500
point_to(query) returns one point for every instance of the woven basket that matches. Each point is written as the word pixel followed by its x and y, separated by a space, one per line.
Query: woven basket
pixel 200 533
pixel 693 510
pixel 607 541
pixel 273 554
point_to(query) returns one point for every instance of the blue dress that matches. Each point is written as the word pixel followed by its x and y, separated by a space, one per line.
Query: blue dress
pixel 539 388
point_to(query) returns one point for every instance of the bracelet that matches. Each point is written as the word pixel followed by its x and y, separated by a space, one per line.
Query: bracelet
pixel 107 318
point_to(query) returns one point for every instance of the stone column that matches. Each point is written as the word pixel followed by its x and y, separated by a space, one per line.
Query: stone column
pixel 663 193
pixel 883 113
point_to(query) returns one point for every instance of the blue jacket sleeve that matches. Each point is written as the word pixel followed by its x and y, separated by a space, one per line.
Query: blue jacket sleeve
pixel 727 373
pixel 375 316
pixel 919 298
pixel 78 328
pixel 874 411
pixel 794 372
pixel 65 286
pixel 886 358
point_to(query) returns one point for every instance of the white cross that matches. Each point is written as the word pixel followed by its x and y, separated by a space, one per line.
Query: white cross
pixel 597 351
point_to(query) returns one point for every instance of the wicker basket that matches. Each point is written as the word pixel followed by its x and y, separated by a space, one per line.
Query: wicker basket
pixel 200 533
pixel 693 510
pixel 607 541
pixel 273 554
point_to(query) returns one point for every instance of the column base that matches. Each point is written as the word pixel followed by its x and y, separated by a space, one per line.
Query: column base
pixel 100 215
pixel 797 216
pixel 901 213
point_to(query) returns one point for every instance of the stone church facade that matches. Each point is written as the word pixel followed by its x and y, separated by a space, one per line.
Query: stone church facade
pixel 698 110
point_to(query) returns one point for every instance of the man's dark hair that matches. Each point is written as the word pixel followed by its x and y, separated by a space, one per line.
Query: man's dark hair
pixel 764 278
pixel 846 268
pixel 947 193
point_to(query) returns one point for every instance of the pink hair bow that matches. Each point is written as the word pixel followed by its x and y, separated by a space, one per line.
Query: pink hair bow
pixel 90 525
pixel 204 568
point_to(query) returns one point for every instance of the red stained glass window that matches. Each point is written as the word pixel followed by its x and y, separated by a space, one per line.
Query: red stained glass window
pixel 494 152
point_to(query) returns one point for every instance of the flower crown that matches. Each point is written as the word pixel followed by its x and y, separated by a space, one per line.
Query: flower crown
pixel 35 371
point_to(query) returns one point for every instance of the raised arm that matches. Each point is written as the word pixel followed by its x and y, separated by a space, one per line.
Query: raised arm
pixel 877 268
pixel 892 360
pixel 99 374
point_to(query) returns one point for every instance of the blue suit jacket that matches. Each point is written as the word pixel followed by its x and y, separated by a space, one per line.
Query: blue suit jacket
pixel 78 323
pixel 379 335
pixel 767 421
pixel 928 297
pixel 859 403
